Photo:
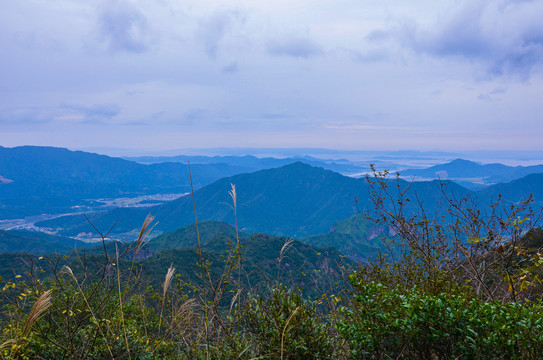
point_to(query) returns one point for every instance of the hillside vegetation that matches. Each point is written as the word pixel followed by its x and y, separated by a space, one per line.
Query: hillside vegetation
pixel 357 237
pixel 469 288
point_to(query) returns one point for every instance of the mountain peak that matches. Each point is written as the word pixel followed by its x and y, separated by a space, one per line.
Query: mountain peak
pixel 298 164
pixel 460 161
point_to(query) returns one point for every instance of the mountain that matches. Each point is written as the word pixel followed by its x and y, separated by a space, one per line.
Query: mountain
pixel 34 242
pixel 187 236
pixel 64 173
pixel 302 265
pixel 295 200
pixel 469 171
pixel 35 180
pixel 249 163
pixel 357 237
pixel 516 190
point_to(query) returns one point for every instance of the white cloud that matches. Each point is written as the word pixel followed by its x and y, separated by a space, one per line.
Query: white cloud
pixel 505 35
pixel 123 27
pixel 213 28
pixel 295 47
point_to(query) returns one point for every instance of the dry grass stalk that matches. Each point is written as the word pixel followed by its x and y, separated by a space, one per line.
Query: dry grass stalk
pixel 181 320
pixel 286 246
pixel 167 282
pixel 146 228
pixel 285 330
pixel 39 307
pixel 68 271
pixel 233 195
pixel 6 344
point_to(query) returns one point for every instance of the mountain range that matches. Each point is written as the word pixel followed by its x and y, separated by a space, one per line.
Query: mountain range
pixel 36 180
pixel 295 200
pixel 249 163
pixel 470 173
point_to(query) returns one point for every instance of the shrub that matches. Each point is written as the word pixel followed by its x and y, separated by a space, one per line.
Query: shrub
pixel 384 322
pixel 284 325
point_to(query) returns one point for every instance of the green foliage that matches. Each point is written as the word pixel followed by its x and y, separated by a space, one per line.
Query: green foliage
pixel 86 321
pixel 384 322
pixel 282 323
pixel 396 309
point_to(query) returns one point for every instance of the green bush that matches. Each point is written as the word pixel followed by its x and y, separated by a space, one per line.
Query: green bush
pixel 385 322
pixel 284 323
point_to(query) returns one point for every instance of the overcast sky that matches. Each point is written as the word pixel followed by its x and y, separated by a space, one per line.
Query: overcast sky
pixel 352 74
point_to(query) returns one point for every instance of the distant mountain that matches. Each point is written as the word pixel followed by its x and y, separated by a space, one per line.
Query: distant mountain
pixel 58 172
pixel 34 242
pixel 295 200
pixel 249 163
pixel 35 180
pixel 467 171
pixel 516 190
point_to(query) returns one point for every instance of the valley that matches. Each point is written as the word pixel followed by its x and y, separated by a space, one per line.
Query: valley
pixel 303 235
pixel 291 198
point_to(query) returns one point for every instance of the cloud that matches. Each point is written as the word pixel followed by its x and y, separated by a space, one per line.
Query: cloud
pixel 295 47
pixel 123 27
pixel 193 116
pixel 213 29
pixel 492 95
pixel 230 68
pixel 378 35
pixel 506 35
pixel 370 56
pixel 98 113
pixel 25 115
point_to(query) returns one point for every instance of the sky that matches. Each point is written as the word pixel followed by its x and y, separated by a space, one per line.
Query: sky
pixel 343 74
